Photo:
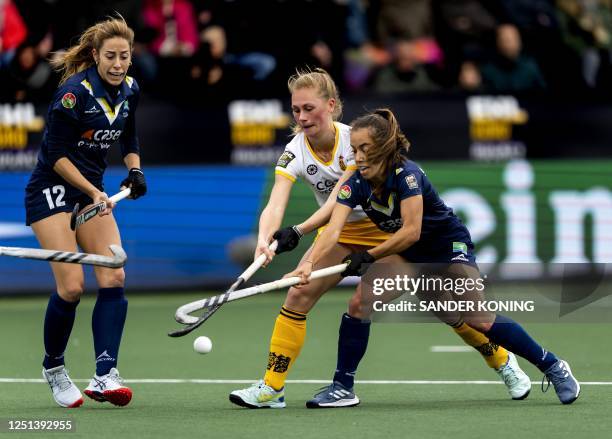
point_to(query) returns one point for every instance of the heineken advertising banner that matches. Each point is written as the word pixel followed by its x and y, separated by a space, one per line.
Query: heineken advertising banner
pixel 524 216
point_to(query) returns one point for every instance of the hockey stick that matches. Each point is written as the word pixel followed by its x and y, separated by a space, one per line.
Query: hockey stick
pixel 182 313
pixel 78 219
pixel 246 275
pixel 116 261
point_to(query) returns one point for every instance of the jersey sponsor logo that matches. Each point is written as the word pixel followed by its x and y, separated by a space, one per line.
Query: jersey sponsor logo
pixel 69 100
pixel 285 159
pixel 345 192
pixel 342 163
pixel 92 110
pixel 411 181
pixel 325 186
pixel 101 135
pixel 460 257
pixel 312 169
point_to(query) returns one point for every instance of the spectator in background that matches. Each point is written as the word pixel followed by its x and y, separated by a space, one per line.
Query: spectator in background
pixel 465 29
pixel 407 72
pixel 29 76
pixel 587 27
pixel 12 31
pixel 510 71
pixel 470 79
pixel 175 24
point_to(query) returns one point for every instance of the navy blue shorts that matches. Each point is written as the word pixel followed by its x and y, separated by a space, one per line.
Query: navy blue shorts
pixel 46 195
pixel 450 252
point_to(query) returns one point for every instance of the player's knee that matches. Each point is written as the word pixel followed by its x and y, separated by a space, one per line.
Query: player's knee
pixel 113 278
pixel 300 299
pixel 71 290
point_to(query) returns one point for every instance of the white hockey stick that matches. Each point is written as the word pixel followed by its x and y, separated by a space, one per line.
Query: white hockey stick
pixel 246 275
pixel 116 261
pixel 77 219
pixel 182 313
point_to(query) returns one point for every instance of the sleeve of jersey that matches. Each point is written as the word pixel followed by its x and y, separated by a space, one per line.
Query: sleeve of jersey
pixel 349 193
pixel 287 165
pixel 409 183
pixel 63 125
pixel 350 160
pixel 129 138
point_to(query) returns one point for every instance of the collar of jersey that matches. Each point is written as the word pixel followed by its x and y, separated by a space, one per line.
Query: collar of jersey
pixel 316 157
pixel 93 77
pixel 389 185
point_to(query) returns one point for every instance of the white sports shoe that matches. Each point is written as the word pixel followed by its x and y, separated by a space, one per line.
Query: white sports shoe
pixel 259 396
pixel 517 382
pixel 109 388
pixel 64 391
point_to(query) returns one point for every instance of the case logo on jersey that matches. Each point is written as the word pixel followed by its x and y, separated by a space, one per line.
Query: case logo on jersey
pixel 342 163
pixel 411 181
pixel 345 192
pixel 68 101
pixel 312 169
pixel 285 159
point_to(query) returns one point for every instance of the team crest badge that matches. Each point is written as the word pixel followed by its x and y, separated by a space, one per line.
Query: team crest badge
pixel 68 100
pixel 342 164
pixel 345 192
pixel 411 181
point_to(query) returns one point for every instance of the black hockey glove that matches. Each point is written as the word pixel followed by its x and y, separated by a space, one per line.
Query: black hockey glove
pixel 288 238
pixel 136 181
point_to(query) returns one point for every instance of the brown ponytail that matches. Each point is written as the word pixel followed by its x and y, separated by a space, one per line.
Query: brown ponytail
pixel 79 57
pixel 390 144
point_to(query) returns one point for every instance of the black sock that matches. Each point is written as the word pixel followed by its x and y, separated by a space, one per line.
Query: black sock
pixel 352 344
pixel 107 322
pixel 59 320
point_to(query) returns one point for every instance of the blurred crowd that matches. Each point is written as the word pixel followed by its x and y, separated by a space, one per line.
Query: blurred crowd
pixel 221 49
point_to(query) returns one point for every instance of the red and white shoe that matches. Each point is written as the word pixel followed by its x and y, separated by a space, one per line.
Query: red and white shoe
pixel 109 388
pixel 64 391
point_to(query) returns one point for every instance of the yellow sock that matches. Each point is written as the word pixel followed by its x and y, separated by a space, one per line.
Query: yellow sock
pixel 285 346
pixel 495 356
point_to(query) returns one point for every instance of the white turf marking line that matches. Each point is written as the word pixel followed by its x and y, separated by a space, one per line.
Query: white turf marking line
pixel 461 348
pixel 224 381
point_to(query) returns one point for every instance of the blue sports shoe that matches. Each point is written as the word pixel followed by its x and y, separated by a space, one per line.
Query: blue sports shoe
pixel 334 395
pixel 566 386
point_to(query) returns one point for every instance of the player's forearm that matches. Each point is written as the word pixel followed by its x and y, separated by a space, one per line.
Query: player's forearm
pixel 66 169
pixel 317 219
pixel 269 222
pixel 400 241
pixel 132 160
pixel 324 243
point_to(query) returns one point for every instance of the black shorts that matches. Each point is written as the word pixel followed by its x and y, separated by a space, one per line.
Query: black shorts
pixel 46 195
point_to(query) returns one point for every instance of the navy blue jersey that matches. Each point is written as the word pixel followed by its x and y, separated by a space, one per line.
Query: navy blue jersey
pixel 441 231
pixel 83 122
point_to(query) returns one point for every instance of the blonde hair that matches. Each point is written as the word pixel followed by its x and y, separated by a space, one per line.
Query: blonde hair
pixel 80 56
pixel 319 80
pixel 390 145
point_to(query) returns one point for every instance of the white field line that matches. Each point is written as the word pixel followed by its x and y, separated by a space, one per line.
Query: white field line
pixel 250 381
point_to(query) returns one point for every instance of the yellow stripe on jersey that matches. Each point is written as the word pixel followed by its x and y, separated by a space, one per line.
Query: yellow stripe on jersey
pixel 129 80
pixel 362 232
pixel 336 143
pixel 284 174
